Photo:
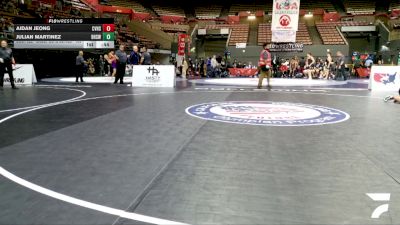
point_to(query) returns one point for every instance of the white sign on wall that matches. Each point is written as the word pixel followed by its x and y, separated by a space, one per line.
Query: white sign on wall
pixel 283 36
pixel 241 45
pixel 285 18
pixel 153 76
pixel 384 78
pixel 24 74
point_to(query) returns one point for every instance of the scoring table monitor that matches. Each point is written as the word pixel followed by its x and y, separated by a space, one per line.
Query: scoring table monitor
pixel 86 33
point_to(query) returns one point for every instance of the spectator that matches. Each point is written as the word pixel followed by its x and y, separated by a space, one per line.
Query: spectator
pixel 185 67
pixel 293 66
pixel 106 65
pixel 309 67
pixel 369 62
pixel 101 66
pixel 214 65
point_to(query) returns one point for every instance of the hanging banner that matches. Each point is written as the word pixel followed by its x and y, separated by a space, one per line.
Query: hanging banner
pixel 286 47
pixel 181 44
pixel 283 36
pixel 285 15
pixel 285 20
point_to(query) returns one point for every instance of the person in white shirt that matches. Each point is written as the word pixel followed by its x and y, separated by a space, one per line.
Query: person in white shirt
pixel 250 66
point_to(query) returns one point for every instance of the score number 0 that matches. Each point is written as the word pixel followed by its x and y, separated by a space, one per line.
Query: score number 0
pixel 108 28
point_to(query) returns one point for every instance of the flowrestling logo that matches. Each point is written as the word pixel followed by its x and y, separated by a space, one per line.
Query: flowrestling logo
pixel 267 113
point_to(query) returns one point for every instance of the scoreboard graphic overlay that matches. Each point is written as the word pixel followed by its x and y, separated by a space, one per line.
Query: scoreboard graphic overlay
pixel 86 33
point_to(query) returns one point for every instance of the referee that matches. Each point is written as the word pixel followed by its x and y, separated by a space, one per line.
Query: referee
pixel 6 61
pixel 79 66
pixel 121 64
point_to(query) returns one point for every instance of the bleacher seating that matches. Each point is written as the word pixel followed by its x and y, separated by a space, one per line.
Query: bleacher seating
pixel 312 4
pixel 130 38
pixel 329 34
pixel 208 12
pixel 170 28
pixel 236 8
pixel 239 32
pixel 77 4
pixel 165 10
pixel 394 4
pixel 265 34
pixel 136 6
pixel 359 7
pixel 302 35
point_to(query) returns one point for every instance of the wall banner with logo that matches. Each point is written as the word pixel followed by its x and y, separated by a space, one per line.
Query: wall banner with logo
pixel 384 78
pixel 285 17
pixel 285 47
pixel 24 74
pixel 181 44
pixel 153 76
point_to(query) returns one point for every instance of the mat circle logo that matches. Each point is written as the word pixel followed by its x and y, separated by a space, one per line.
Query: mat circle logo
pixel 267 113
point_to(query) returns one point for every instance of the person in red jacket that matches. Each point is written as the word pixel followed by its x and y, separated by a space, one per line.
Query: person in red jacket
pixel 264 66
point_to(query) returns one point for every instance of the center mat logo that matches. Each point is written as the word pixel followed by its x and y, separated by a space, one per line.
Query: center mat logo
pixel 267 113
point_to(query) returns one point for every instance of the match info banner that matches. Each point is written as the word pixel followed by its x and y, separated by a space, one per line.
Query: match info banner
pixel 24 74
pixel 153 76
pixel 384 78
pixel 285 20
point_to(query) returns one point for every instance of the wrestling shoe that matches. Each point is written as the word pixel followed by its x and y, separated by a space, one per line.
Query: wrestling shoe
pixel 387 98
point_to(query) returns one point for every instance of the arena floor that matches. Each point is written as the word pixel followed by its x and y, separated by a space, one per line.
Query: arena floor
pixel 198 154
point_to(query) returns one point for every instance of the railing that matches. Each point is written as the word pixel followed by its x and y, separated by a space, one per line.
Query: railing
pixel 341 35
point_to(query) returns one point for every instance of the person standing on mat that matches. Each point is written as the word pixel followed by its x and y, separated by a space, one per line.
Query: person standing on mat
pixel 80 66
pixel 340 66
pixel 6 62
pixel 264 66
pixel 121 64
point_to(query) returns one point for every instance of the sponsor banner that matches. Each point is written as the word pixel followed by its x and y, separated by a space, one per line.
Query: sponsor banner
pixel 384 78
pixel 267 113
pixel 241 45
pixel 201 32
pixel 286 47
pixel 24 74
pixel 285 15
pixel 153 76
pixel 242 72
pixel 181 44
pixel 283 36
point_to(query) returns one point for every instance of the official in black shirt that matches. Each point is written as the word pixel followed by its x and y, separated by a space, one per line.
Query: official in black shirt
pixel 121 64
pixel 6 61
